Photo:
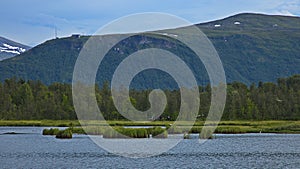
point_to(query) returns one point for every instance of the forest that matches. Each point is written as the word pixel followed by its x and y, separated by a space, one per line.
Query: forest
pixel 33 100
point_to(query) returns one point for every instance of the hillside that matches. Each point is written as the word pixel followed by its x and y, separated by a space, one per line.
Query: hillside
pixel 9 48
pixel 252 47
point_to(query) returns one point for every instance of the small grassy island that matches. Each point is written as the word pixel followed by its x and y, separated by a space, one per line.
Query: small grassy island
pixel 161 129
pixel 106 132
pixel 63 134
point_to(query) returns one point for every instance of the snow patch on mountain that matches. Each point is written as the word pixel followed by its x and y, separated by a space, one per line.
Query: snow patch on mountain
pixel 11 49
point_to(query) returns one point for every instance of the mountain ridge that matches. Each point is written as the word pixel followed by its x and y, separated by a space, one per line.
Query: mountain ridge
pixel 248 55
pixel 275 19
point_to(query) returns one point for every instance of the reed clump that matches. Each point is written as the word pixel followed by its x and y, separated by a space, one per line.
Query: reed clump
pixel 230 130
pixel 51 131
pixel 64 134
pixel 120 132
pixel 158 132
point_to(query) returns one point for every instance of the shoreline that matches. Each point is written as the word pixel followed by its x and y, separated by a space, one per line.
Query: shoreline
pixel 224 127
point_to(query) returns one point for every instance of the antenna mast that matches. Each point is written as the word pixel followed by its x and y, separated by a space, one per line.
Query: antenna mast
pixel 55 31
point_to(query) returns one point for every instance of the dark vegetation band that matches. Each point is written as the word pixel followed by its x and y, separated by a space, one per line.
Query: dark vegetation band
pixel 33 100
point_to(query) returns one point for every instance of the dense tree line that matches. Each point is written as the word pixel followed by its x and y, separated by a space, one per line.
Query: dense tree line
pixel 30 100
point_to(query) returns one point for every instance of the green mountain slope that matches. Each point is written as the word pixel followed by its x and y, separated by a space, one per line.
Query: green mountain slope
pixel 259 48
pixel 252 47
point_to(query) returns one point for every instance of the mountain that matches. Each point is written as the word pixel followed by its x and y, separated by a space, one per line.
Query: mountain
pixel 252 48
pixel 9 48
pixel 255 47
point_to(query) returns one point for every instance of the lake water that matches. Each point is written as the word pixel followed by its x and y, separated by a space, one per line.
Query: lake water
pixel 32 150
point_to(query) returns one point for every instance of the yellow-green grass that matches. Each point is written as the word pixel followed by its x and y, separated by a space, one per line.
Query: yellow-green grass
pixel 66 123
pixel 52 131
pixel 120 132
pixel 270 126
pixel 64 134
pixel 56 123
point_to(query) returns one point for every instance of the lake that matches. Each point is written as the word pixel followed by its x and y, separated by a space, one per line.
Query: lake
pixel 33 150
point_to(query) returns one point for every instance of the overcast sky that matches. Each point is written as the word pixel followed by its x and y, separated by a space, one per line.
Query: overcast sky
pixel 32 21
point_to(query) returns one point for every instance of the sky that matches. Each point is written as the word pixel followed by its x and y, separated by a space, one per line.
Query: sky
pixel 32 22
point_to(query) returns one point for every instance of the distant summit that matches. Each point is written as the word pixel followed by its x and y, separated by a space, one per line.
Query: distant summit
pixel 252 48
pixel 253 21
pixel 9 48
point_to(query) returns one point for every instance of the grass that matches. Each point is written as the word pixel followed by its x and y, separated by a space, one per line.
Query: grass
pixel 224 127
pixel 231 130
pixel 52 131
pixel 291 128
pixel 53 123
pixel 92 127
pixel 120 132
pixel 64 134
pixel 116 131
pixel 158 132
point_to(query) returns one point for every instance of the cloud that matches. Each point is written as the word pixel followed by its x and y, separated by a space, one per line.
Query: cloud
pixel 44 20
pixel 64 26
pixel 288 7
pixel 283 12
